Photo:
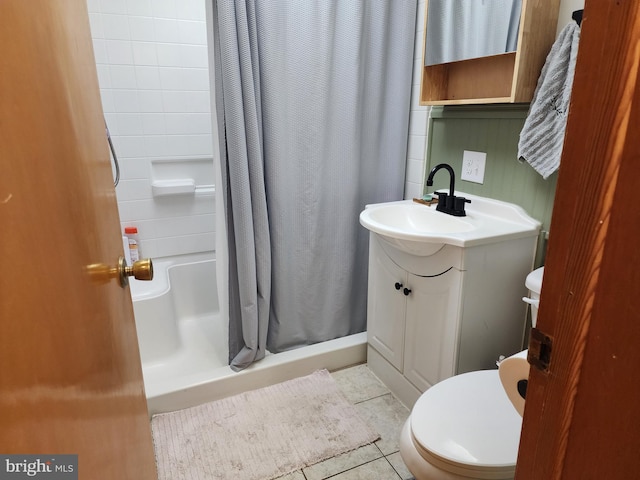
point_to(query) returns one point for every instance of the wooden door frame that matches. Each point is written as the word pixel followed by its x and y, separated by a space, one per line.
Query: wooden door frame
pixel 581 418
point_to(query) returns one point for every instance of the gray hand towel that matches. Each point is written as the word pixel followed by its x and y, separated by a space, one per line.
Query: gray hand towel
pixel 542 136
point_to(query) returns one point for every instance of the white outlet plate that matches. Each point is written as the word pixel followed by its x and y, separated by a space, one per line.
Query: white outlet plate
pixel 473 166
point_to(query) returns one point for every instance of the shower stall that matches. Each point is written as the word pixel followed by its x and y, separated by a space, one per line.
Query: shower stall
pixel 183 340
pixel 153 67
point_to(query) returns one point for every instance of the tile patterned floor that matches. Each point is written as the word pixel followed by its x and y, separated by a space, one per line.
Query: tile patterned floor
pixel 381 460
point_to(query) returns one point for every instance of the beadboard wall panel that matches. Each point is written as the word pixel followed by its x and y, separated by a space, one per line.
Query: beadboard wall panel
pixel 494 130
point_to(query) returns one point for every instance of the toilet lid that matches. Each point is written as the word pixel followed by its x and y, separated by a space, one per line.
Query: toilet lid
pixel 467 423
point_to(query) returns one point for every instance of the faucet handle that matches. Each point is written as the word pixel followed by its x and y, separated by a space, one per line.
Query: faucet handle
pixel 458 206
pixel 442 199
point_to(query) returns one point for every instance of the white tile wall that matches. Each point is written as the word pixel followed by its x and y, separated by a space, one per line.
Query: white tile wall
pixel 152 64
pixel 418 120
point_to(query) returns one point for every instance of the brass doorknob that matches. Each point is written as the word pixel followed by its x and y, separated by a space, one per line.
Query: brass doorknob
pixel 140 270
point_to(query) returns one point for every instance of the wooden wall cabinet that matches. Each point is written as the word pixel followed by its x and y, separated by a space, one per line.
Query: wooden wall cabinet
pixel 505 78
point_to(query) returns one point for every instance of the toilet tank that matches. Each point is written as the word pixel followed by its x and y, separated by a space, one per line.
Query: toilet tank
pixel 534 285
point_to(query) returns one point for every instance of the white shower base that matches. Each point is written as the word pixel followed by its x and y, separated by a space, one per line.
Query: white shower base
pixel 183 340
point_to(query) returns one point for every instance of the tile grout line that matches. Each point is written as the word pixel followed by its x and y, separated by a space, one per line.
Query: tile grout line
pixel 393 468
pixel 358 466
pixel 373 398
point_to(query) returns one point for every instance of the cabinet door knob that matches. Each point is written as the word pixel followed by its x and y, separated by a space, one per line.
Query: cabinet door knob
pixel 398 285
pixel 407 291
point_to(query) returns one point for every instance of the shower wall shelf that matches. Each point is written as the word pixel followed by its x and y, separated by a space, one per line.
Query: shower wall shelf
pixel 182 177
pixel 183 186
pixel 505 78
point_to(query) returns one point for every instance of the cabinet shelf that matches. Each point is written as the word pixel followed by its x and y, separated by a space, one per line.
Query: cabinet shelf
pixel 505 78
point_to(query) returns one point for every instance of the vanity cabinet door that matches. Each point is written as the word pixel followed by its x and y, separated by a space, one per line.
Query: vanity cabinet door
pixel 432 320
pixel 386 306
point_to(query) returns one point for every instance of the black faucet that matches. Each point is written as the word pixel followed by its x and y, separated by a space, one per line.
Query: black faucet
pixel 449 204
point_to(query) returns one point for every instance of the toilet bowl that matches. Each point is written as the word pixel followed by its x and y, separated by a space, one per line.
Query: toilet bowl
pixel 464 427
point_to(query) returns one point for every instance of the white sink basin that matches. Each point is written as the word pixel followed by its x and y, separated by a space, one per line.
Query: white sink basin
pixel 421 230
pixel 401 218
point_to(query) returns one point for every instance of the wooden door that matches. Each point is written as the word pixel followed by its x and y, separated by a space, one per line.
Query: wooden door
pixel 70 374
pixel 581 419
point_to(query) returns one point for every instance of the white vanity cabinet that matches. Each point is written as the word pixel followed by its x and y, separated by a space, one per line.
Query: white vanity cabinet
pixel 452 311
pixel 407 315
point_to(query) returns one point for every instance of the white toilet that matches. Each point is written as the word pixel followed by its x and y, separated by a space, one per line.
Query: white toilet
pixel 465 427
